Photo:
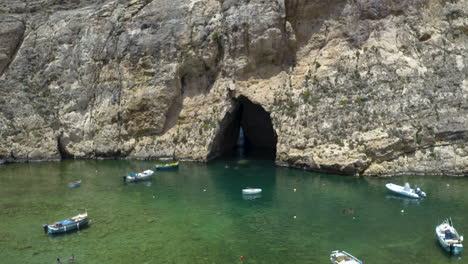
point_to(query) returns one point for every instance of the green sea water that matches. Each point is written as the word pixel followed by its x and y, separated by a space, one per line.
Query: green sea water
pixel 197 214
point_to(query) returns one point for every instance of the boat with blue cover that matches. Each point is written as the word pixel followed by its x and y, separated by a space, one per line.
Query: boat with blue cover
pixel 167 166
pixel 134 177
pixel 73 223
pixel 449 238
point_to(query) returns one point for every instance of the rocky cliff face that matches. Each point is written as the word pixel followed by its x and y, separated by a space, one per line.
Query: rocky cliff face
pixel 373 87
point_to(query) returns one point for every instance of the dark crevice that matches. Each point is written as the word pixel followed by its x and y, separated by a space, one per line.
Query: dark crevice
pixel 61 149
pixel 247 131
pixel 16 49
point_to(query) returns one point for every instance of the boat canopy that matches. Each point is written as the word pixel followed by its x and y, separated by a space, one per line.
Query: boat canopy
pixel 407 187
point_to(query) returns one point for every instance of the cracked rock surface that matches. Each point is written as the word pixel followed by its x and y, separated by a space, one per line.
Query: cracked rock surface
pixel 368 87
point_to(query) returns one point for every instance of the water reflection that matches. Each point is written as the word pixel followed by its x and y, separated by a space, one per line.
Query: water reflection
pixel 251 196
pixel 147 183
pixel 406 200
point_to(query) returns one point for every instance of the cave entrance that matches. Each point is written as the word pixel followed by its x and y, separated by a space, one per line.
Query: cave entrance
pixel 247 133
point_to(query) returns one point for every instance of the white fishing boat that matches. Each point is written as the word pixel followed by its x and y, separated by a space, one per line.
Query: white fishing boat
pixel 406 190
pixel 343 257
pixel 449 238
pixel 134 177
pixel 251 190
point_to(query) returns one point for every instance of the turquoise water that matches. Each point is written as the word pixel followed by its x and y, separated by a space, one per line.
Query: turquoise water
pixel 197 214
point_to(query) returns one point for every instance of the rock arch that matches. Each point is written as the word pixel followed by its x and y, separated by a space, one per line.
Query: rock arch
pixel 251 122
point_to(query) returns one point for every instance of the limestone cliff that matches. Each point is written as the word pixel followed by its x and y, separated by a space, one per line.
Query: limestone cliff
pixel 373 87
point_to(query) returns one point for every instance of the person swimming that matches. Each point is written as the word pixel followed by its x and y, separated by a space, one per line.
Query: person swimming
pixel 72 259
pixel 58 261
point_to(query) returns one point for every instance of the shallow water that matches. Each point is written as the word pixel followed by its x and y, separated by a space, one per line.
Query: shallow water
pixel 197 214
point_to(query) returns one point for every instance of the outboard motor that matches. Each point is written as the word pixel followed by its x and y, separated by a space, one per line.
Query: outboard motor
pixel 420 192
pixel 46 228
pixel 124 178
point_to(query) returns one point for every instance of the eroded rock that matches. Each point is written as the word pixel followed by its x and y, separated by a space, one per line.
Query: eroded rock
pixel 352 87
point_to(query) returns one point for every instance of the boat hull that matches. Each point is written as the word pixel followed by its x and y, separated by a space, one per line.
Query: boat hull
pixel 400 190
pixel 134 177
pixel 343 257
pixel 68 225
pixel 448 237
pixel 171 166
pixel 251 191
pixel 455 249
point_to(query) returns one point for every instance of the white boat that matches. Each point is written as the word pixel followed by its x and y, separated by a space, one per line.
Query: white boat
pixel 134 177
pixel 449 238
pixel 343 257
pixel 74 184
pixel 406 190
pixel 251 191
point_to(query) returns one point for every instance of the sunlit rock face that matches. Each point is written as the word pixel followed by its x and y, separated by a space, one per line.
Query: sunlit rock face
pixel 368 87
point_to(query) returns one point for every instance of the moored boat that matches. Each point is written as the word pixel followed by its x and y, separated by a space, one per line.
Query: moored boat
pixel 134 177
pixel 74 184
pixel 343 257
pixel 406 190
pixel 449 238
pixel 167 166
pixel 67 225
pixel 251 191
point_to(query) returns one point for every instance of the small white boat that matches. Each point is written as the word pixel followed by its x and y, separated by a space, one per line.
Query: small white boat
pixel 134 177
pixel 74 184
pixel 449 238
pixel 343 257
pixel 406 190
pixel 251 191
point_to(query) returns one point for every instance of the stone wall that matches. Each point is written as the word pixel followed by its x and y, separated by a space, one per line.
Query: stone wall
pixel 373 87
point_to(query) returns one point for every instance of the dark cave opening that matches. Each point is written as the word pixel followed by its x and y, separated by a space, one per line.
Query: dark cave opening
pixel 247 133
